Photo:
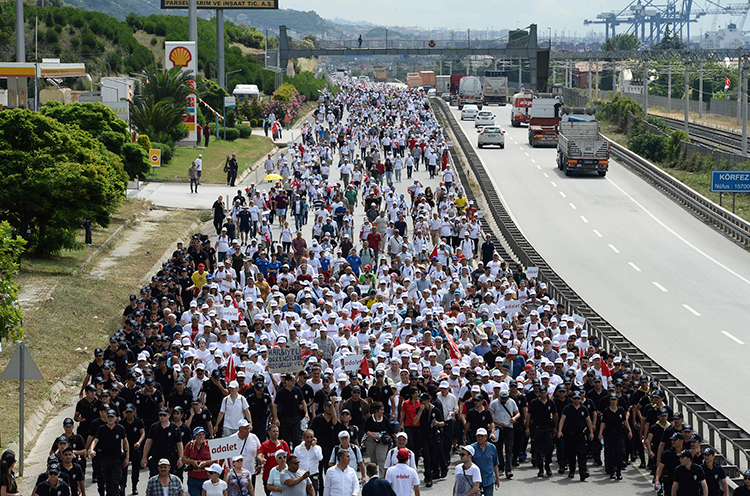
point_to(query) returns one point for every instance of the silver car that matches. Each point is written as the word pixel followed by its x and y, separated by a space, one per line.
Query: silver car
pixel 491 135
pixel 484 118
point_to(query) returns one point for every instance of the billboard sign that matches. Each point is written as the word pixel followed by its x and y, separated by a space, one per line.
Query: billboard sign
pixel 184 54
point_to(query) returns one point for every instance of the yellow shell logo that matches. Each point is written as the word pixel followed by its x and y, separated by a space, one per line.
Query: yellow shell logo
pixel 180 56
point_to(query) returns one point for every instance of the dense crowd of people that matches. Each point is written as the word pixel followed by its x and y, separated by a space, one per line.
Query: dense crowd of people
pixel 409 282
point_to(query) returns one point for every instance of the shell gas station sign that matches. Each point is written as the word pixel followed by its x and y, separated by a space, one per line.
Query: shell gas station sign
pixel 184 54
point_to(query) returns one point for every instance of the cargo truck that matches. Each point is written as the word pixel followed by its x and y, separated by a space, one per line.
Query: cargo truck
pixel 442 84
pixel 544 116
pixel 519 113
pixel 495 87
pixel 428 78
pixel 580 146
pixel 413 79
pixel 380 75
pixel 470 92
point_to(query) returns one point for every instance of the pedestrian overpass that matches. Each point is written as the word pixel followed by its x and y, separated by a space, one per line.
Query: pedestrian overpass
pixel 523 48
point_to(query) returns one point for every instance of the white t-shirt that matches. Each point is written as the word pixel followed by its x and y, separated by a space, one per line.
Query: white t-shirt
pixel 214 489
pixel 402 478
pixel 465 478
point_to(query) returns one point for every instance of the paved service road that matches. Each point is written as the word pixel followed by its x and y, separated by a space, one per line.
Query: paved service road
pixel 671 284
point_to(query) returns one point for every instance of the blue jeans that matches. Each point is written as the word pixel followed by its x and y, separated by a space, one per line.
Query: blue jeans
pixel 195 486
pixel 488 490
pixel 389 177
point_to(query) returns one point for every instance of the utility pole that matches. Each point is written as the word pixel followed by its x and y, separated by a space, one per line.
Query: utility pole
pixel 645 85
pixel 20 37
pixel 220 47
pixel 589 80
pixel 193 22
pixel 700 91
pixel 669 86
pixel 744 107
pixel 597 78
pixel 468 38
pixel 739 89
pixel 687 97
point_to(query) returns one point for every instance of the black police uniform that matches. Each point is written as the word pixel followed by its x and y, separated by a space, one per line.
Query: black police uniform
pixel 184 400
pixel 433 462
pixel 46 489
pixel 147 406
pixel 575 432
pixel 689 480
pixel 714 476
pixel 110 455
pixel 74 475
pixel 614 439
pixel 133 433
pixel 671 461
pixel 163 445
pixel 289 414
pixel 562 459
pixel 541 431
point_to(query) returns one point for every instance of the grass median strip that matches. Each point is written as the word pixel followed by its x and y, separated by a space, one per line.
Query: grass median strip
pixel 248 150
pixel 62 331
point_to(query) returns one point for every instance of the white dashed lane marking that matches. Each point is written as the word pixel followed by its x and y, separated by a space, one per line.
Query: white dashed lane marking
pixel 598 234
pixel 691 310
pixel 660 286
pixel 572 206
pixel 613 248
pixel 527 153
pixel 539 167
pixel 562 194
pixel 584 219
pixel 637 269
pixel 545 174
pixel 729 335
pixel 553 183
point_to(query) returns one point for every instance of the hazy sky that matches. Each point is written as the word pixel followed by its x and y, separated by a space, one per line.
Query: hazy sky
pixel 476 14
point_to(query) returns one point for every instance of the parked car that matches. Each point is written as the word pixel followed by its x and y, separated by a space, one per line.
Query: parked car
pixel 484 118
pixel 491 135
pixel 469 112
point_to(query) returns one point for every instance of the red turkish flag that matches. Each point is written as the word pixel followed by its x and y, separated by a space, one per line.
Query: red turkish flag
pixel 727 82
pixel 364 367
pixel 231 374
pixel 433 253
pixel 455 352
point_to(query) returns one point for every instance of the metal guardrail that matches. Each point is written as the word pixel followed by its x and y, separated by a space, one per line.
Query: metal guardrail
pixel 731 441
pixel 723 220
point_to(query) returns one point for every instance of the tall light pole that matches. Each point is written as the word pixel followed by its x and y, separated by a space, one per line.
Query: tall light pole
pixel 226 75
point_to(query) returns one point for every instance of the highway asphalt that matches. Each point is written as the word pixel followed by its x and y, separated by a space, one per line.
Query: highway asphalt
pixel 670 283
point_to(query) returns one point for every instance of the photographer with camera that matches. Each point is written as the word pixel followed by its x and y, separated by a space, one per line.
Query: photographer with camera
pixel 378 436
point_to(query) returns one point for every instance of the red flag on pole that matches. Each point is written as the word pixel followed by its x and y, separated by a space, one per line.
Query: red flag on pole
pixel 455 352
pixel 364 367
pixel 231 373
pixel 727 83
pixel 433 253
pixel 397 341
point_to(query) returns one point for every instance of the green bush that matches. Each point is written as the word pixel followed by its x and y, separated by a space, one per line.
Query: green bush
pixel 167 152
pixel 232 133
pixel 245 131
pixel 145 142
pixel 154 41
pixel 673 145
pixel 254 123
pixel 649 146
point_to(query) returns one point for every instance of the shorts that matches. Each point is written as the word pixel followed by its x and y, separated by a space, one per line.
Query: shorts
pixel 280 212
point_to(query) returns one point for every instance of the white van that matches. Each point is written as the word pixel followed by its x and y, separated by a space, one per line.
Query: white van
pixel 432 92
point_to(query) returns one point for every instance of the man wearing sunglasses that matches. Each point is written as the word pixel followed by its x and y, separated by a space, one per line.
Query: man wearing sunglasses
pixel 468 477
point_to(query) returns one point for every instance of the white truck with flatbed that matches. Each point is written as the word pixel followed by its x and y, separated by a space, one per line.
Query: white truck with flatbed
pixel 580 145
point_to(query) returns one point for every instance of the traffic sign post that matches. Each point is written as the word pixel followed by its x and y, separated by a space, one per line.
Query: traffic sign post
pixel 21 368
pixel 730 182
pixel 154 157
pixel 229 102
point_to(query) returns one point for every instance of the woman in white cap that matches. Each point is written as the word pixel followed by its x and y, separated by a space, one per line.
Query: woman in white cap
pixel 214 486
pixel 238 479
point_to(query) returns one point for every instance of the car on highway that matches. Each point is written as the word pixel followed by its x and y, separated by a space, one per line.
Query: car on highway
pixel 446 97
pixel 491 135
pixel 469 112
pixel 484 118
pixel 432 92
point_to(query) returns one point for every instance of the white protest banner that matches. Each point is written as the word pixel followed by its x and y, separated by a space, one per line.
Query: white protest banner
pixel 579 320
pixel 284 360
pixel 532 272
pixel 229 313
pixel 227 286
pixel 225 447
pixel 352 363
pixel 512 307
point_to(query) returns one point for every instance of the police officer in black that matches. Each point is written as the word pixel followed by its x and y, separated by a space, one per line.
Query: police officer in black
pixel 164 440
pixel 136 434
pixel 614 424
pixel 561 400
pixel 577 429
pixel 148 401
pixel 431 422
pixel 667 464
pixel 743 490
pixel 716 477
pixel 112 452
pixel 689 479
pixel 541 421
pixel 54 485
pixel 182 397
pixel 259 403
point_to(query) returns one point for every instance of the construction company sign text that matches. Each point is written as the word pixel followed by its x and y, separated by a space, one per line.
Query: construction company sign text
pixel 222 4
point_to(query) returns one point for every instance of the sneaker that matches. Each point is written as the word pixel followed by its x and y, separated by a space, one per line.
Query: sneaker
pixel 571 475
pixel 619 476
pixel 561 470
pixel 428 484
pixel 508 475
pixel 540 473
pixel 549 471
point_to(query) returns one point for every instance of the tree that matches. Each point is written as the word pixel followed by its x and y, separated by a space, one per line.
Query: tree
pixel 669 41
pixel 158 112
pixel 103 124
pixel 54 177
pixel 11 247
pixel 622 42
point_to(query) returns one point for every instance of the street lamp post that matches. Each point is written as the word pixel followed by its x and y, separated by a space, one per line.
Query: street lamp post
pixel 226 75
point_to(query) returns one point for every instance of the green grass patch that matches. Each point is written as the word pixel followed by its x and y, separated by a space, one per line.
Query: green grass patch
pixel 248 151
